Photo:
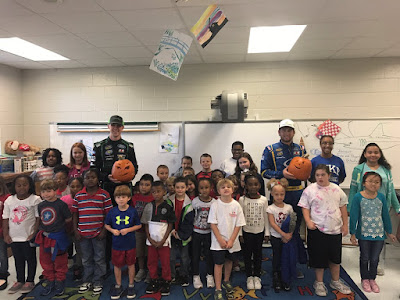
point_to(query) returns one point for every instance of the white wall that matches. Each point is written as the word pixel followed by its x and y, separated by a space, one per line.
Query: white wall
pixel 354 88
pixel 11 110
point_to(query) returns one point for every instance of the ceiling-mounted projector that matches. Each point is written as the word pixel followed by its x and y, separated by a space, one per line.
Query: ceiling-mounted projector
pixel 233 105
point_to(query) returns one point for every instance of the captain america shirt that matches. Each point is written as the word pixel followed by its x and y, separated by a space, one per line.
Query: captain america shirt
pixel 118 219
pixel 53 215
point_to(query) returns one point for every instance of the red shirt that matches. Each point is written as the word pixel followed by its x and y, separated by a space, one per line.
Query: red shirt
pixel 139 201
pixel 202 174
pixel 178 211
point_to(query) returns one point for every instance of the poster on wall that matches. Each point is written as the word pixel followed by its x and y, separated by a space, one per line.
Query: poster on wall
pixel 169 138
pixel 170 53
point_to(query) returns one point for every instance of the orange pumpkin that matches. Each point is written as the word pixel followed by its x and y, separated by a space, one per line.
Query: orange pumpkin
pixel 300 167
pixel 123 170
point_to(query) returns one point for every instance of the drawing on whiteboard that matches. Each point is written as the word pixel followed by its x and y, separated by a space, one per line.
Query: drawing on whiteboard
pixel 377 135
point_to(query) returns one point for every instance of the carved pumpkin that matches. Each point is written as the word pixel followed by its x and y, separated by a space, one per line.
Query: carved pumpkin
pixel 123 170
pixel 300 167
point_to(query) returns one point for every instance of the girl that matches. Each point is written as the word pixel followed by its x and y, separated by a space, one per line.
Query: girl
pixel 51 157
pixel 246 163
pixel 369 219
pixel 20 223
pixel 201 237
pixel 277 214
pixel 191 184
pixel 255 231
pixel 324 209
pixel 61 178
pixel 78 160
pixel 3 246
pixel 216 176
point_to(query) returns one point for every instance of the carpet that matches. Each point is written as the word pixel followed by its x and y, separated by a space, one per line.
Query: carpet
pixel 301 288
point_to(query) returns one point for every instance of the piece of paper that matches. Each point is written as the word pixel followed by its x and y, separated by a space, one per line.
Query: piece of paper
pixel 169 138
pixel 170 54
pixel 157 231
pixel 209 24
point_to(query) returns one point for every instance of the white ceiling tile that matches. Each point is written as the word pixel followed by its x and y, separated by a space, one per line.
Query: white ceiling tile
pixel 125 52
pixel 370 43
pixel 356 53
pixel 58 42
pixel 86 22
pixel 110 39
pixel 230 48
pixel 25 65
pixel 320 44
pixel 310 55
pixel 63 64
pixel 258 57
pixel 84 53
pixel 101 62
pixel 6 57
pixel 336 30
pixel 10 8
pixel 133 5
pixel 391 52
pixel 29 25
pixel 229 58
pixel 64 7
pixel 136 61
pixel 149 37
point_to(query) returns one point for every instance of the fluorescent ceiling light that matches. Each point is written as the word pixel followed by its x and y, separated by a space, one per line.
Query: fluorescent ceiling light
pixel 266 39
pixel 28 50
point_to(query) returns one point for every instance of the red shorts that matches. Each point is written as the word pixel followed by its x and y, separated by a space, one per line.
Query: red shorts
pixel 120 258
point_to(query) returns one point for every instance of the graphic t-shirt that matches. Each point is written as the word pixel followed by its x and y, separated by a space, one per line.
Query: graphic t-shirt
pixel 201 211
pixel 53 215
pixel 280 214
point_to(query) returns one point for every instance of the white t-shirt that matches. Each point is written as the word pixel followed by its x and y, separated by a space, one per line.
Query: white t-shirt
pixel 324 203
pixel 280 214
pixel 228 166
pixel 227 216
pixel 201 211
pixel 21 215
pixel 255 214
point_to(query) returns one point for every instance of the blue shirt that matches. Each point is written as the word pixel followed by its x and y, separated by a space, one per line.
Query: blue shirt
pixel 336 167
pixel 119 220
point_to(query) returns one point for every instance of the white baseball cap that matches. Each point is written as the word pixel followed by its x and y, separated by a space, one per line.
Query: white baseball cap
pixel 286 123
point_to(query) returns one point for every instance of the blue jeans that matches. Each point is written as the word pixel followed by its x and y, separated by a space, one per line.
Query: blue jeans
pixel 369 258
pixel 183 251
pixel 93 260
pixel 3 259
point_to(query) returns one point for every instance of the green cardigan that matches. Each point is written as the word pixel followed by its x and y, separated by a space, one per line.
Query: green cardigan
pixel 356 187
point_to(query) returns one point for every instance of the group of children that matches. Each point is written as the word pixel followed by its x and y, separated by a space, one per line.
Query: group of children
pixel 190 216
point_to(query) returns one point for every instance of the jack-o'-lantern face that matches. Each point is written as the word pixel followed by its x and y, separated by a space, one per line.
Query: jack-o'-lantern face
pixel 300 167
pixel 123 170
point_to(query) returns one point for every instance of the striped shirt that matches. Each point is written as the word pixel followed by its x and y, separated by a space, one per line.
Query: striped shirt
pixel 42 173
pixel 91 210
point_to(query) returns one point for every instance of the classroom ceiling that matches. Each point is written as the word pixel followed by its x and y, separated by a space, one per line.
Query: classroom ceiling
pixel 103 33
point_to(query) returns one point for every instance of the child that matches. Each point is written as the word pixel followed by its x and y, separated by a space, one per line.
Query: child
pixel 78 161
pixel 205 162
pixel 216 176
pixel 236 195
pixel 163 173
pixel 90 207
pixel 122 221
pixel 191 184
pixel 3 245
pixel 255 231
pixel 226 217
pixel 369 220
pixel 186 161
pixel 20 223
pixel 75 185
pixel 158 219
pixel 187 171
pixel 277 214
pixel 182 232
pixel 53 238
pixel 201 237
pixel 170 186
pixel 51 157
pixel 246 163
pixel 139 201
pixel 325 213
pixel 61 178
pixel 228 165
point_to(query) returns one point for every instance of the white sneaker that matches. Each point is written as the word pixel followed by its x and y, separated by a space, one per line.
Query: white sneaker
pixel 250 283
pixel 140 275
pixel 380 271
pixel 340 286
pixel 257 283
pixel 197 284
pixel 320 289
pixel 210 281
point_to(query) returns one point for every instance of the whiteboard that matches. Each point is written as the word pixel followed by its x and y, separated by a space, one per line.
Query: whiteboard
pixel 217 138
pixel 146 147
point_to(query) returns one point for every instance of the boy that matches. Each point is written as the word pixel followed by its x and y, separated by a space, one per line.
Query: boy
pixel 188 171
pixel 158 219
pixel 52 238
pixel 61 178
pixel 90 207
pixel 139 201
pixel 182 232
pixel 122 221
pixel 185 163
pixel 163 173
pixel 226 217
pixel 229 164
pixel 205 162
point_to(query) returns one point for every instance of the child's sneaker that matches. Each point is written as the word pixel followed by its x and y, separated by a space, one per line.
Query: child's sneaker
pixel 257 283
pixel 218 295
pixel 185 281
pixel 228 287
pixel 210 281
pixel 374 286
pixel 197 284
pixel 153 287
pixel 366 285
pixel 47 287
pixel 27 287
pixel 340 286
pixel 320 289
pixel 15 287
pixel 116 292
pixel 141 275
pixel 97 289
pixel 286 286
pixel 148 278
pixel 86 286
pixel 131 292
pixel 59 288
pixel 165 289
pixel 250 283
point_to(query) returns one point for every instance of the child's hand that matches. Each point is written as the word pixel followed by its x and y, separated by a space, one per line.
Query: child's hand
pixel 266 239
pixel 30 237
pixel 311 225
pixel 353 239
pixel 241 239
pixel 222 243
pixel 175 234
pixel 286 237
pixel 392 237
pixel 116 232
pixel 124 231
pixel 7 239
pixel 158 244
pixel 229 244
pixel 345 230
pixel 152 242
pixel 101 235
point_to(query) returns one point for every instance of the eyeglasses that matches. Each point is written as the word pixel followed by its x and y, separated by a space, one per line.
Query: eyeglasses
pixel 373 181
pixel 327 143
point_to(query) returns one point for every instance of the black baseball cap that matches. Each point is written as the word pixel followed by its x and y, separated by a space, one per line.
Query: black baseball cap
pixel 116 120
